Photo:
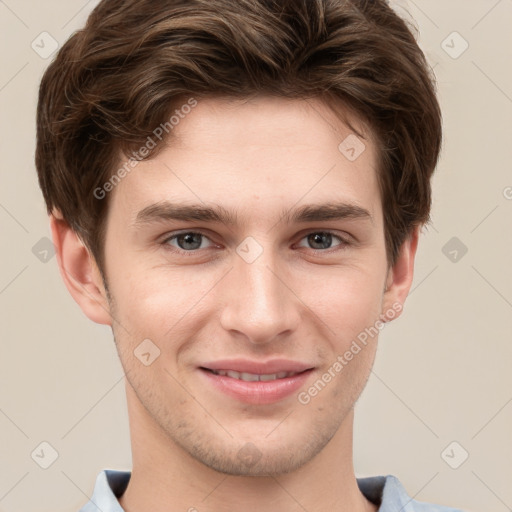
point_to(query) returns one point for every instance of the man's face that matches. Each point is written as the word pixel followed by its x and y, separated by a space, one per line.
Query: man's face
pixel 265 294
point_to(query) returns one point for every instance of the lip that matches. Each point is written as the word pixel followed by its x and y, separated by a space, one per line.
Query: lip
pixel 257 392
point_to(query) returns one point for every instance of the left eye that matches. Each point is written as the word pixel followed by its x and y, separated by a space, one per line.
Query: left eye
pixel 322 240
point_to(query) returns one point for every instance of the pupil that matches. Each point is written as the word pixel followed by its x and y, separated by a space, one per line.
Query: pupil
pixel 190 238
pixel 324 239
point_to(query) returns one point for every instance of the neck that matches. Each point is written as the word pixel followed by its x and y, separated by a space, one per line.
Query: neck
pixel 165 478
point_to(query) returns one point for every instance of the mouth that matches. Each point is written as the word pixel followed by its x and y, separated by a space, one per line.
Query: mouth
pixel 256 383
pixel 252 377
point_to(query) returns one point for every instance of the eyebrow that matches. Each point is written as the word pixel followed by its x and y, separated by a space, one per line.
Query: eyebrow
pixel 165 211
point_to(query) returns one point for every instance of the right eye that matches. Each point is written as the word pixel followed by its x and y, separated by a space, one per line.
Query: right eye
pixel 187 241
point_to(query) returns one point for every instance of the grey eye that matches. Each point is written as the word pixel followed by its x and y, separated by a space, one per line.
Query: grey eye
pixel 189 241
pixel 321 240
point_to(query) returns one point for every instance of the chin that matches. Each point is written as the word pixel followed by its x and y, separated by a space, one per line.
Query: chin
pixel 261 457
pixel 268 465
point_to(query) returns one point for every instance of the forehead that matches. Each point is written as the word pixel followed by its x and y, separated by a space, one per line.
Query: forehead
pixel 255 157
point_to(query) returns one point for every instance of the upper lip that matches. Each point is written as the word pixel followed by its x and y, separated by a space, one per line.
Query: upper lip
pixel 258 367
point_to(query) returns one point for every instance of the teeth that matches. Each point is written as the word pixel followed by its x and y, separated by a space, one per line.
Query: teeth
pixel 253 377
pixel 249 377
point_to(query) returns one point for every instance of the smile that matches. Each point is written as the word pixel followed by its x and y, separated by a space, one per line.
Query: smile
pixel 256 387
pixel 253 377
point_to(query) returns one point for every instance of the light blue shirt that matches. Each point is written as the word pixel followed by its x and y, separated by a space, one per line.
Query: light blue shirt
pixel 385 491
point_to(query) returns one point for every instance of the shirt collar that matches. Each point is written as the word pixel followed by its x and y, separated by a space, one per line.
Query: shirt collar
pixel 110 485
pixel 386 491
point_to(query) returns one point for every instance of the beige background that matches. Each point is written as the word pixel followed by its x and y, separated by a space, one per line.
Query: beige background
pixel 443 371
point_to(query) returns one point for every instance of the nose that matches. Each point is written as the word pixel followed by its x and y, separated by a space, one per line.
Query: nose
pixel 260 305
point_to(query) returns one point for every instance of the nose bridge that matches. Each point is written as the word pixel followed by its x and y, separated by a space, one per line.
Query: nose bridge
pixel 259 304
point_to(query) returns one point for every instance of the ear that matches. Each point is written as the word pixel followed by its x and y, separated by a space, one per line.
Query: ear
pixel 399 278
pixel 79 271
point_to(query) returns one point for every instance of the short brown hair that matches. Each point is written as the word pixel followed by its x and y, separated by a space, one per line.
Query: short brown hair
pixel 117 79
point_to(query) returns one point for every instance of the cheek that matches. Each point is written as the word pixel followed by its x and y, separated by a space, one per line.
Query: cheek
pixel 348 302
pixel 155 301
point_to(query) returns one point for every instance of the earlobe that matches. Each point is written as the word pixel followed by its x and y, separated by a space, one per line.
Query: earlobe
pixel 79 271
pixel 399 278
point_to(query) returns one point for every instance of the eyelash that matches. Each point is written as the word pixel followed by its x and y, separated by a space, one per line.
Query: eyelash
pixel 342 245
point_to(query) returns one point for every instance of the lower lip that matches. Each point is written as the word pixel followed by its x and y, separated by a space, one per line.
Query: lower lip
pixel 257 392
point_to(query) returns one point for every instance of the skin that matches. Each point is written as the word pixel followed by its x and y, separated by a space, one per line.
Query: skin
pixel 297 300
